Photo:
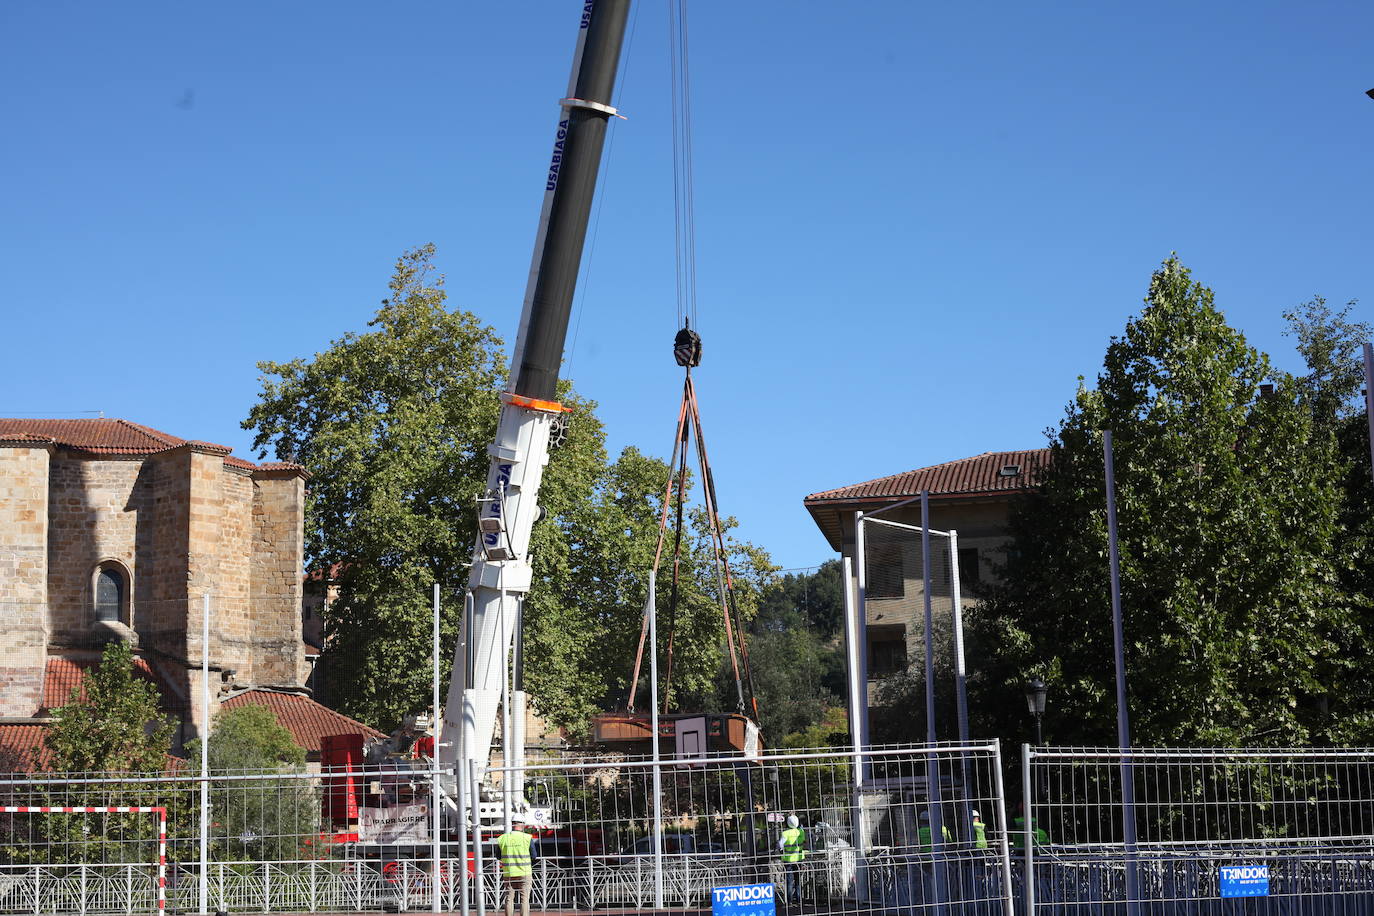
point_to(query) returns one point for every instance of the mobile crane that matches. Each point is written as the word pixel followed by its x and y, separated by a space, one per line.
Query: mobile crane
pixel 501 571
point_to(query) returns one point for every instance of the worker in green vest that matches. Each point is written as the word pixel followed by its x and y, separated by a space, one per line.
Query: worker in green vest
pixel 1018 831
pixel 517 865
pixel 793 847
pixel 923 833
pixel 980 831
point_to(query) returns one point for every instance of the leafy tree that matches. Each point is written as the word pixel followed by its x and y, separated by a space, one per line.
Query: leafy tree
pixel 260 819
pixel 795 651
pixel 116 727
pixel 393 426
pixel 813 600
pixel 1228 514
pixel 1330 344
pixel 112 726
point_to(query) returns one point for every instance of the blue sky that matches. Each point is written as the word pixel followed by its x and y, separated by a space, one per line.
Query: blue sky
pixel 917 223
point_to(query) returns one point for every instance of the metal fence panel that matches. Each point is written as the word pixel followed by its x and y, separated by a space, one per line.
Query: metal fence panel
pixel 718 823
pixel 274 847
pixel 1300 822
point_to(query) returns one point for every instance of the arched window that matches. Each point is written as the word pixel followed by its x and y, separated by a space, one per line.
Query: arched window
pixel 110 589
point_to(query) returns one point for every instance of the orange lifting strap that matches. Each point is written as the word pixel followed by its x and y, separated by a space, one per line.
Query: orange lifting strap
pixel 675 495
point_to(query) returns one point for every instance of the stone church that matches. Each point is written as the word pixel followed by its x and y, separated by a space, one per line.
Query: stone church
pixel 113 530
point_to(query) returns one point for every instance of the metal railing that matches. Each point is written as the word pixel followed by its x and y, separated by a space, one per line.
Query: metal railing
pixel 1291 829
pixel 285 841
pixel 718 822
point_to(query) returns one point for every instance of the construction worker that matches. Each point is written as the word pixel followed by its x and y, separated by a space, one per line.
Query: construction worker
pixel 923 834
pixel 1018 833
pixel 793 847
pixel 517 865
pixel 980 831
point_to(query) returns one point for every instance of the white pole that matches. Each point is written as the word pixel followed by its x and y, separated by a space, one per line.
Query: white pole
pixel 856 619
pixel 205 754
pixel 853 660
pixel 960 671
pixel 473 783
pixel 506 809
pixel 861 618
pixel 466 791
pixel 652 610
pixel 434 800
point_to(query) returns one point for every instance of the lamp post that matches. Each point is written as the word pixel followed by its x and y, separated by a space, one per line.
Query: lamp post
pixel 1035 703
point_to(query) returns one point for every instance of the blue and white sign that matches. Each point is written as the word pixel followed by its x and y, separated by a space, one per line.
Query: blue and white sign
pixel 1245 880
pixel 754 899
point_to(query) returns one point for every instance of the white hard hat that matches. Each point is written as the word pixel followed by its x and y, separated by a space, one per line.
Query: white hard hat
pixel 792 820
pixel 976 814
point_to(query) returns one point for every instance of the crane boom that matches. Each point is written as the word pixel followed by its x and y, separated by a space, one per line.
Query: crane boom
pixel 501 570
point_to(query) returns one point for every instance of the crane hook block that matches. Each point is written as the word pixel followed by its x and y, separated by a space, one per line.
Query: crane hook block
pixel 687 348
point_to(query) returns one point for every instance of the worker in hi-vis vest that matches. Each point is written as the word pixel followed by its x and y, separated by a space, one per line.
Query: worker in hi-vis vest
pixel 980 831
pixel 517 865
pixel 923 833
pixel 793 847
pixel 1018 830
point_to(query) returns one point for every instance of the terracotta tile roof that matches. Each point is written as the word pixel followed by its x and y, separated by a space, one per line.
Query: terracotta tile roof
pixel 22 749
pixel 968 476
pixel 62 674
pixel 307 721
pixel 111 437
pixel 990 474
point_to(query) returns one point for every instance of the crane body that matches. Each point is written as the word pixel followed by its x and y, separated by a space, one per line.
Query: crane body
pixel 501 569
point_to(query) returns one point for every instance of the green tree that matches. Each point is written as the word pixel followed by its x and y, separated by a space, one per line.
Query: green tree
pixel 116 727
pixel 1330 344
pixel 110 725
pixel 1228 514
pixel 795 651
pixel 259 819
pixel 393 426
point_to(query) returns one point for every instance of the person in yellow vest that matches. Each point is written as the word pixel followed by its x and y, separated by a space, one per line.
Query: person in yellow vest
pixel 517 865
pixel 792 844
pixel 1018 831
pixel 923 833
pixel 980 832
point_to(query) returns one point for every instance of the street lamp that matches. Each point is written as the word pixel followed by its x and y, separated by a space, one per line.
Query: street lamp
pixel 1035 703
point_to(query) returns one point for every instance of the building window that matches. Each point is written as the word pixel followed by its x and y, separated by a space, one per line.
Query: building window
pixel 884 576
pixel 110 591
pixel 886 657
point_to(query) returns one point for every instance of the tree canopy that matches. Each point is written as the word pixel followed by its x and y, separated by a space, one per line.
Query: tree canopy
pixel 111 723
pixel 393 426
pixel 1229 497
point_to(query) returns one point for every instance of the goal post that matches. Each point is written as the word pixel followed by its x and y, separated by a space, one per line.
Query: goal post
pixel 158 810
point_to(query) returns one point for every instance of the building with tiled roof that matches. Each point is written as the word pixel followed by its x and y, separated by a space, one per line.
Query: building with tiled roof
pixel 308 722
pixel 971 496
pixel 114 530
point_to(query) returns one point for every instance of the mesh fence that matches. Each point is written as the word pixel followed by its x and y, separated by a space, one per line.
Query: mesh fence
pixel 1289 830
pixel 274 842
pixel 719 829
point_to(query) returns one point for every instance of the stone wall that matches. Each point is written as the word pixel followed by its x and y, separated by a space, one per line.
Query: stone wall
pixel 160 594
pixel 177 525
pixel 23 576
pixel 278 547
pixel 94 510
